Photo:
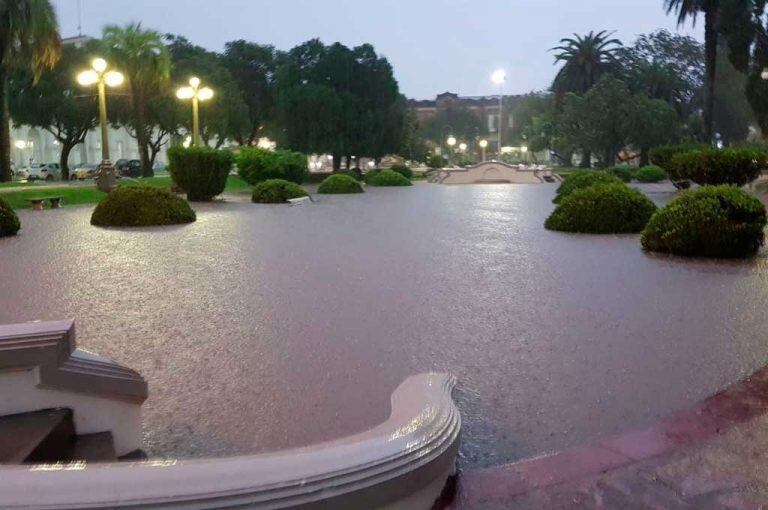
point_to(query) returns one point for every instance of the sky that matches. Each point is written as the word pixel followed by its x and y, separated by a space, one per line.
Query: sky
pixel 433 45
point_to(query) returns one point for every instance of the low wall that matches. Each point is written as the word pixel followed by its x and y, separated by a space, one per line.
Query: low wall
pixel 402 463
pixel 492 173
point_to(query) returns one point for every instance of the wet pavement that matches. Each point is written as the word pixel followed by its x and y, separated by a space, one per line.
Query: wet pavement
pixel 265 327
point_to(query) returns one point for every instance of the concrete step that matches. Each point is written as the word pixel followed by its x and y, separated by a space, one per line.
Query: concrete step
pixel 39 436
pixel 94 448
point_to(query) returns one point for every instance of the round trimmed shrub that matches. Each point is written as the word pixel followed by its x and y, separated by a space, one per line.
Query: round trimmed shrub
pixel 9 221
pixel 389 178
pixel 403 170
pixel 624 173
pixel 581 180
pixel 255 165
pixel 370 174
pixel 276 191
pixel 602 209
pixel 141 206
pixel 713 221
pixel 201 172
pixel 355 173
pixel 661 156
pixel 339 185
pixel 713 166
pixel 651 173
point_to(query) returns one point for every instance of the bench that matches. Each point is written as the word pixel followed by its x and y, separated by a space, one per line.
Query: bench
pixel 37 203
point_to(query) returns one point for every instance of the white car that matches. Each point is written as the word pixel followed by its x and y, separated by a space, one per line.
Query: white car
pixel 18 174
pixel 43 172
pixel 84 171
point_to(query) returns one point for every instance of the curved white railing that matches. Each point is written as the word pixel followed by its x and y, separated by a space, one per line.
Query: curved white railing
pixel 402 463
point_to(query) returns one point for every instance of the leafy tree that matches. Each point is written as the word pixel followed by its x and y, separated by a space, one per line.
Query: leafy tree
pixel 253 68
pixel 28 38
pixel 458 121
pixel 141 55
pixel 54 103
pixel 732 114
pixel 650 123
pixel 340 100
pixel 585 60
pixel 413 146
pixel 690 9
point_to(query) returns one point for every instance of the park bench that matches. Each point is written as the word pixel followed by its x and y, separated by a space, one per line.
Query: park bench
pixel 37 203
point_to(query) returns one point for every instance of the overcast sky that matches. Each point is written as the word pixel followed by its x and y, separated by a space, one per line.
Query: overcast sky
pixel 434 45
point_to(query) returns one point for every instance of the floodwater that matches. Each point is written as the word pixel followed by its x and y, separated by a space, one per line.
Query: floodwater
pixel 266 327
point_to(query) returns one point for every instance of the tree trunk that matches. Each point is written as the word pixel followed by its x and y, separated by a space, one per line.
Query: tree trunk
pixel 5 130
pixel 586 160
pixel 153 151
pixel 710 50
pixel 142 137
pixel 336 162
pixel 66 149
pixel 645 158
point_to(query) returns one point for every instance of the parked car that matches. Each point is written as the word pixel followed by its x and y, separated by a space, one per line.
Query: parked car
pixel 121 165
pixel 133 169
pixel 83 171
pixel 18 174
pixel 43 171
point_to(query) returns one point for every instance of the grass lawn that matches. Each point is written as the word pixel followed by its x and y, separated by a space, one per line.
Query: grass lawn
pixel 75 195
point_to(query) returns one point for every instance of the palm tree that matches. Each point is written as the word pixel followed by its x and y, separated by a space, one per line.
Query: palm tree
pixel 29 36
pixel 144 59
pixel 585 60
pixel 711 8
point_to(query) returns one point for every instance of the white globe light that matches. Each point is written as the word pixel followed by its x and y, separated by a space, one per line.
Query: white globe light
pixel 764 74
pixel 451 141
pixel 21 144
pixel 99 65
pixel 194 82
pixel 483 143
pixel 462 147
pixel 523 149
pixel 87 78
pixel 205 94
pixel 114 78
pixel 185 93
pixel 499 76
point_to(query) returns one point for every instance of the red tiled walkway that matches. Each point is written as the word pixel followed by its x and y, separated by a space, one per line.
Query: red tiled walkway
pixel 710 457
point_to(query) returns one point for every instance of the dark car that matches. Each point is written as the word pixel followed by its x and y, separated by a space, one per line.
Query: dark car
pixel 120 165
pixel 132 169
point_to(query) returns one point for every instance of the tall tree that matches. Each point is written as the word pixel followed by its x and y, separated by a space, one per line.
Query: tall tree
pixel 690 9
pixel 29 37
pixel 55 104
pixel 585 60
pixel 141 55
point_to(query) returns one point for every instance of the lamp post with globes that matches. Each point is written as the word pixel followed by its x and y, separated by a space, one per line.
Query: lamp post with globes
pixel 499 77
pixel 483 146
pixel 451 143
pixel 196 93
pixel 100 76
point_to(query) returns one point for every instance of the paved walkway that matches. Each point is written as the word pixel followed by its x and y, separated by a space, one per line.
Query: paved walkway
pixel 714 456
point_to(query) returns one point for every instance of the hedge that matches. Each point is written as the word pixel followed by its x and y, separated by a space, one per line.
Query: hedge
pixel 403 170
pixel 661 156
pixel 651 173
pixel 339 184
pixel 9 221
pixel 388 178
pixel 712 166
pixel 276 191
pixel 602 209
pixel 624 173
pixel 200 171
pixel 141 206
pixel 581 180
pixel 713 221
pixel 256 165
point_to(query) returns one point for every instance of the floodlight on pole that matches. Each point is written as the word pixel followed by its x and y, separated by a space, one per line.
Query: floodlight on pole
pixel 196 94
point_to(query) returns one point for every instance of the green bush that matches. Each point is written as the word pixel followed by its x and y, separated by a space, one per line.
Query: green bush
pixel 661 156
pixel 355 173
pixel 602 209
pixel 200 171
pixel 712 166
pixel 388 178
pixel 651 173
pixel 581 180
pixel 256 165
pixel 9 222
pixel 141 206
pixel 370 174
pixel 276 191
pixel 403 170
pixel 713 221
pixel 338 184
pixel 625 173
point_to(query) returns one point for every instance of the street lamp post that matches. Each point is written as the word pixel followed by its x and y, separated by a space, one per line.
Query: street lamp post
pixel 483 146
pixel 99 76
pixel 196 94
pixel 451 143
pixel 499 77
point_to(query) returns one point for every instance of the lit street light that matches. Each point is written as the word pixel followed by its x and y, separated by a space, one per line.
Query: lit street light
pixel 483 146
pixel 196 94
pixel 463 147
pixel 451 143
pixel 98 75
pixel 499 78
